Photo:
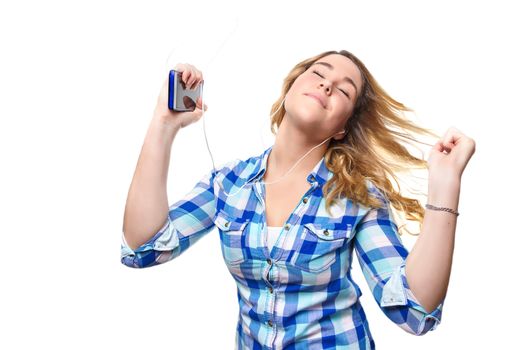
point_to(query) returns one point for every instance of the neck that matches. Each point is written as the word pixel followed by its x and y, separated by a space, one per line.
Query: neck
pixel 290 146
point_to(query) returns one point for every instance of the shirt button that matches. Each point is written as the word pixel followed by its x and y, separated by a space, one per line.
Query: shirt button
pixel 227 224
pixel 270 324
pixel 305 200
pixel 326 232
pixel 287 227
pixel 271 290
pixel 269 261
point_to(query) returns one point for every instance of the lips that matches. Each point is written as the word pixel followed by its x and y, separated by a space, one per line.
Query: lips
pixel 318 97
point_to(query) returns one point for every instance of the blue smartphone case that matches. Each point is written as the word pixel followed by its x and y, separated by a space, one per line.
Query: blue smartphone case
pixel 181 99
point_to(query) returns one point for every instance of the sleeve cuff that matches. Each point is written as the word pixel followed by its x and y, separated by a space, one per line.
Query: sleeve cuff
pixel 164 240
pixel 396 292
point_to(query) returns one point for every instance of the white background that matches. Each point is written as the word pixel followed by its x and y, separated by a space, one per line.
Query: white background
pixel 79 82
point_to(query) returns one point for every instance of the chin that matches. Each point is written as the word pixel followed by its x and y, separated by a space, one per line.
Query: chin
pixel 308 110
pixel 308 125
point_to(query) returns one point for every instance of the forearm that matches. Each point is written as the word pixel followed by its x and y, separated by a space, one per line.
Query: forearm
pixel 147 203
pixel 428 265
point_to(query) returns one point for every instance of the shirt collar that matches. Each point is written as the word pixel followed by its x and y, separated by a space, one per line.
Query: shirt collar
pixel 319 173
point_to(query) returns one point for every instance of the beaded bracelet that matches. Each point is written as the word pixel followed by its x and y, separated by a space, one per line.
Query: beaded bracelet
pixel 429 206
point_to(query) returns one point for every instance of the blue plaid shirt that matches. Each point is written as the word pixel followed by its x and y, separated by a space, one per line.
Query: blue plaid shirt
pixel 300 294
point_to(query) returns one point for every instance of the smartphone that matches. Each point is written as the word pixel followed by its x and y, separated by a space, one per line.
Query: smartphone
pixel 182 99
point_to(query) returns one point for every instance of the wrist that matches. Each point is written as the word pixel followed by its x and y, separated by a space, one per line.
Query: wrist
pixel 444 180
pixel 166 122
pixel 444 193
pixel 164 127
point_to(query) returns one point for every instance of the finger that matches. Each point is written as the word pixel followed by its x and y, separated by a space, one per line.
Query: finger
pixel 198 108
pixel 199 102
pixel 198 77
pixel 452 137
pixel 197 80
pixel 193 80
pixel 186 76
pixel 184 71
pixel 438 147
pixel 448 142
pixel 448 145
pixel 445 146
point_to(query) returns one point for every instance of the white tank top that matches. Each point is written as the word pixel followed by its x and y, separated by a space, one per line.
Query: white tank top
pixel 273 233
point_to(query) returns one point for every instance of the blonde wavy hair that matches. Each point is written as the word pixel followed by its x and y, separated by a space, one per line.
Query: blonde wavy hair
pixel 372 148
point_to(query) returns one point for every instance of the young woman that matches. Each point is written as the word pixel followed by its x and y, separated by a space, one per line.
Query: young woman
pixel 291 218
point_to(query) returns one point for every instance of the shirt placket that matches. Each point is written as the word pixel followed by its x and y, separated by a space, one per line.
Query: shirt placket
pixel 269 269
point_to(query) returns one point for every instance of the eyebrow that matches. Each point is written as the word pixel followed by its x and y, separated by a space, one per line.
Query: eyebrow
pixel 347 79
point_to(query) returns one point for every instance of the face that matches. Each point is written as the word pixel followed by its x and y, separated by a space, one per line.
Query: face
pixel 323 97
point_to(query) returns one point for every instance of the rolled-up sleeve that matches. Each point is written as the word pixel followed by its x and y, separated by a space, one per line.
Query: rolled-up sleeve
pixel 382 257
pixel 188 220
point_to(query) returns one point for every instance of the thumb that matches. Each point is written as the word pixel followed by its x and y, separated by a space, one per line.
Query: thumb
pixel 199 103
pixel 438 147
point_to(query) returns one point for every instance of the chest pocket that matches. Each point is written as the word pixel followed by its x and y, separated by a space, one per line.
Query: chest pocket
pixel 320 246
pixel 232 236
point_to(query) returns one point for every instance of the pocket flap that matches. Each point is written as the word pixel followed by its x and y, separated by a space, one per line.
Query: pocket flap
pixel 228 223
pixel 330 232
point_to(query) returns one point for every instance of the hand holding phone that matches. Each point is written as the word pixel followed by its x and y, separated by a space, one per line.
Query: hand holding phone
pixel 191 77
pixel 185 88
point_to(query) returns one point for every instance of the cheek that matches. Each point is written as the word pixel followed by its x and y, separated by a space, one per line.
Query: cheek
pixel 344 108
pixel 298 88
pixel 299 84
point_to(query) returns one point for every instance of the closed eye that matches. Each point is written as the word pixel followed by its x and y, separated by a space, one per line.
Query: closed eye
pixel 316 72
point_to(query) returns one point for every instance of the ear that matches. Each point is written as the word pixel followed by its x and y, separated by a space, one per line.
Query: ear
pixel 340 135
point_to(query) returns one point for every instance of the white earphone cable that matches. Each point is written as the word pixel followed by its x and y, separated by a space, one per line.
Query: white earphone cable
pixel 266 183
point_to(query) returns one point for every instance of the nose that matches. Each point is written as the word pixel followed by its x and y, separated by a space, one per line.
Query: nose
pixel 328 87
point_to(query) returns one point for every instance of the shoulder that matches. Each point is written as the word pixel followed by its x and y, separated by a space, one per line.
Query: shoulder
pixel 236 172
pixel 376 192
pixel 239 167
